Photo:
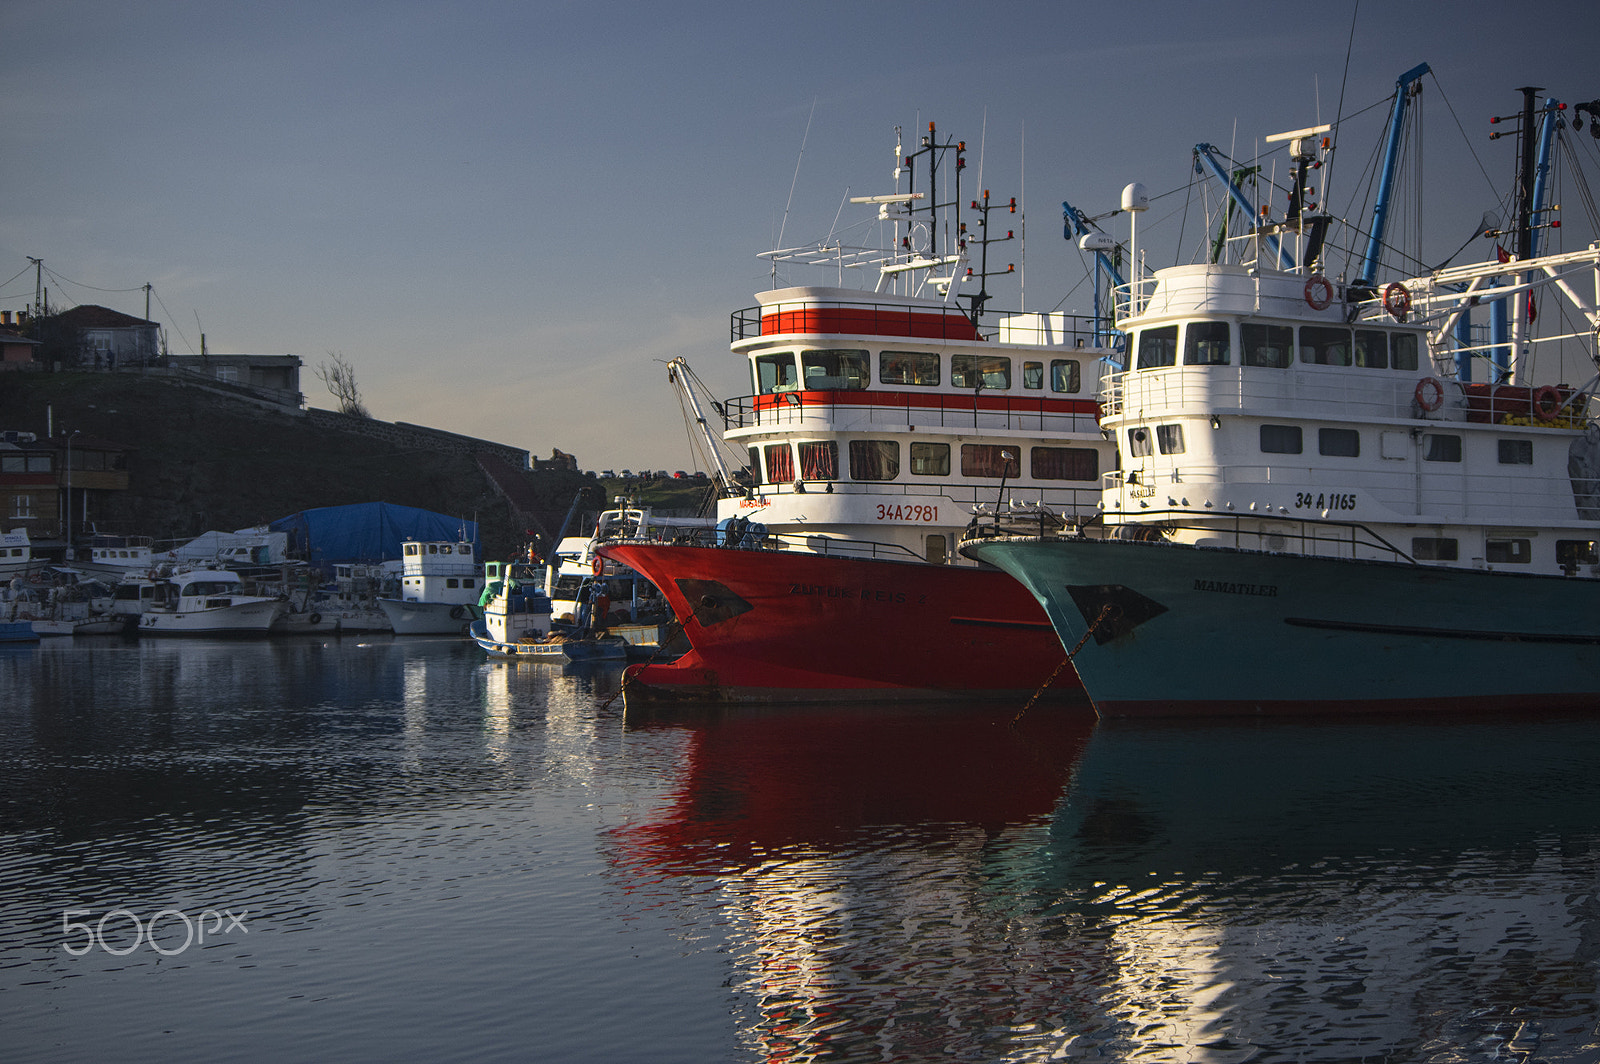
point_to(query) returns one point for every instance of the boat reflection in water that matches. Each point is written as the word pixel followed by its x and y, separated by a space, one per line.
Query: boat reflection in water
pixel 1066 890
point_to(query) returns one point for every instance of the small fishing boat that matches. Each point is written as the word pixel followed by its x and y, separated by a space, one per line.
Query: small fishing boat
pixel 516 620
pixel 440 585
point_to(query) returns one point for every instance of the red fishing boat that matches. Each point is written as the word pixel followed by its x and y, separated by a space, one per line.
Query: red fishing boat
pixel 877 424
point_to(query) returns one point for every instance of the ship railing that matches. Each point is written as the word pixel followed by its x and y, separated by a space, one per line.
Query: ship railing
pixel 909 323
pixel 1066 496
pixel 940 409
pixel 751 535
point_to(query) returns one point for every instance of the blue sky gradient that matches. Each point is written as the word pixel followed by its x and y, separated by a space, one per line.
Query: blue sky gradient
pixel 506 215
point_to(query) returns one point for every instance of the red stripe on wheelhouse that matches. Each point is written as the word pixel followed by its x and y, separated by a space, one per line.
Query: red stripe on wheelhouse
pixel 870 321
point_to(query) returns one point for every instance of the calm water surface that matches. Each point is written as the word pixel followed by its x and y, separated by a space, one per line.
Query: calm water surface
pixel 395 850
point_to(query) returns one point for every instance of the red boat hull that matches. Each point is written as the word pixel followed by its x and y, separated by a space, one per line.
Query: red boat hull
pixel 782 626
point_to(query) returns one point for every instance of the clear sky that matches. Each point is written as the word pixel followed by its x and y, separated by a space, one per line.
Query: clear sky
pixel 506 215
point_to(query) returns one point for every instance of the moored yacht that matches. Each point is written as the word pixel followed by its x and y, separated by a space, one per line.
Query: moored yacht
pixel 204 602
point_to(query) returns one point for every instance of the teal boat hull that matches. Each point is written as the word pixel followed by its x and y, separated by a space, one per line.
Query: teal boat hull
pixel 1182 630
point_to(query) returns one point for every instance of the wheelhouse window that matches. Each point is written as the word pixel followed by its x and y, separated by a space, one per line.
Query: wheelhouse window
pixel 1156 347
pixel 1321 345
pixel 780 463
pixel 1508 551
pixel 919 368
pixel 1169 439
pixel 988 460
pixel 1205 343
pixel 930 459
pixel 1571 553
pixel 1441 448
pixel 775 373
pixel 835 369
pixel 1339 443
pixel 1266 345
pixel 1033 375
pixel 1065 375
pixel 1064 463
pixel 819 460
pixel 1427 549
pixel 1516 452
pixel 990 372
pixel 1403 350
pixel 874 459
pixel 1281 439
pixel 1372 348
pixel 1139 442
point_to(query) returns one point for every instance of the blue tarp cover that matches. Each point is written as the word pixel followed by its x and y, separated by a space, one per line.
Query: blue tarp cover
pixel 368 531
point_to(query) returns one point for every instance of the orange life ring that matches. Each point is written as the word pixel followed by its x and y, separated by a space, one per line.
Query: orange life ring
pixel 1429 393
pixel 1546 403
pixel 1397 300
pixel 599 565
pixel 1319 292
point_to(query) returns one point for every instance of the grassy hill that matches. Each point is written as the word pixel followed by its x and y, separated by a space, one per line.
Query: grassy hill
pixel 208 461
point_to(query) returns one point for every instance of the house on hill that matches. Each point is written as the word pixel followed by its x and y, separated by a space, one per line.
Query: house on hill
pixel 90 336
pixel 16 350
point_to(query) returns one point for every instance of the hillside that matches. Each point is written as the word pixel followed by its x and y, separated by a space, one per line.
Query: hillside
pixel 208 461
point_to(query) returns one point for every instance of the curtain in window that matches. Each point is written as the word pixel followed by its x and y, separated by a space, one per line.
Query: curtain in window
pixel 780 464
pixel 819 460
pixel 983 460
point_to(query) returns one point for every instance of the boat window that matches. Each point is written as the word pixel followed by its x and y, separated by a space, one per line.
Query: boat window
pixel 1322 345
pixel 1169 439
pixel 992 372
pixel 452 582
pixel 1281 439
pixel 1157 347
pixel 930 459
pixel 1403 350
pixel 1427 549
pixel 1033 375
pixel 819 460
pixel 836 369
pixel 1571 553
pixel 411 550
pixel 1205 343
pixel 1266 345
pixel 1516 452
pixel 988 460
pixel 908 367
pixel 1065 375
pixel 775 373
pixel 1339 443
pixel 1441 448
pixel 1372 348
pixel 780 463
pixel 1508 551
pixel 469 582
pixel 1064 463
pixel 874 459
pixel 1139 442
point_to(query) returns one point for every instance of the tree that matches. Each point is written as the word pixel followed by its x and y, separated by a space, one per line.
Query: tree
pixel 340 377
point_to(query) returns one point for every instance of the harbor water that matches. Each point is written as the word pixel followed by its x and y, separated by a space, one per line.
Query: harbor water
pixel 392 849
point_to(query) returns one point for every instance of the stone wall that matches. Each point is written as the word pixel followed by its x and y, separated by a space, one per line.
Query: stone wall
pixel 408 435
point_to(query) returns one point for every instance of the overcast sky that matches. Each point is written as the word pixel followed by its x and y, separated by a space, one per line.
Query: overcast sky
pixel 505 216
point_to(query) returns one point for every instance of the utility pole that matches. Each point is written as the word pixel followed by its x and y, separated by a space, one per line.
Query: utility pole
pixel 38 286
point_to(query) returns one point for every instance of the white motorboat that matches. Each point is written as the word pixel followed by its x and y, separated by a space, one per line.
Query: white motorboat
pixel 204 602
